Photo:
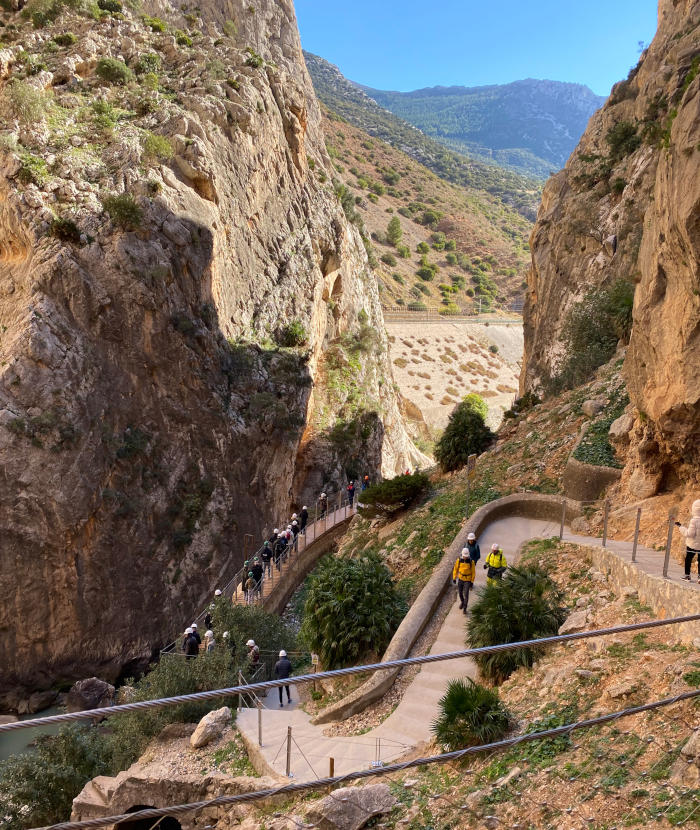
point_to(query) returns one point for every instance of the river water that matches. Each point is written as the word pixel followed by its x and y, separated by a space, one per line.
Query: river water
pixel 13 743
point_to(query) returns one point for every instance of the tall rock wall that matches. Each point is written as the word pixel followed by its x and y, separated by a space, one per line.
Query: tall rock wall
pixel 149 417
pixel 627 205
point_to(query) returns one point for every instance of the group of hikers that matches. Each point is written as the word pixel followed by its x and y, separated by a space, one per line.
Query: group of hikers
pixel 464 570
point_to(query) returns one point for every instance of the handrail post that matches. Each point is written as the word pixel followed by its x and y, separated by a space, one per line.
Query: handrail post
pixel 636 534
pixel 259 705
pixel 563 519
pixel 605 521
pixel 669 539
pixel 289 750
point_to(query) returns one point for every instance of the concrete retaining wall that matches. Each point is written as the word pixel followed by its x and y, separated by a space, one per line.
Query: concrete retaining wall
pixel 529 505
pixel 586 482
pixel 303 564
pixel 667 598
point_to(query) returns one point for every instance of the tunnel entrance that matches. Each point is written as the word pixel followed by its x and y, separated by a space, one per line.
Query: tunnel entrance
pixel 164 822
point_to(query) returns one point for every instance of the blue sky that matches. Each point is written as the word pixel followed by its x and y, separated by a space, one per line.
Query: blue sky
pixel 407 44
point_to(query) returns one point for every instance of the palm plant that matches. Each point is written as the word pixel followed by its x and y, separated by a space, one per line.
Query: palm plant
pixel 352 608
pixel 526 605
pixel 470 715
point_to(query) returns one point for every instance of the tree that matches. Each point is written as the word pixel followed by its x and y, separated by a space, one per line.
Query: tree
pixel 465 433
pixel 470 715
pixel 393 231
pixel 352 609
pixel 525 605
pixel 393 494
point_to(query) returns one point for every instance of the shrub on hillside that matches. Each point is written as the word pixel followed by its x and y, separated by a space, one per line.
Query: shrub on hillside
pixel 393 231
pixel 25 102
pixel 465 433
pixel 157 147
pixel 352 610
pixel 146 63
pixel 293 334
pixel 470 715
pixel 65 39
pixel 525 605
pixel 243 622
pixel 66 230
pixel 124 210
pixel 393 494
pixel 591 332
pixel 113 71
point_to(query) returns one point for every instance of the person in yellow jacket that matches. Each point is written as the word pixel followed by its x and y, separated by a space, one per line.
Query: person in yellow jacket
pixel 463 575
pixel 495 564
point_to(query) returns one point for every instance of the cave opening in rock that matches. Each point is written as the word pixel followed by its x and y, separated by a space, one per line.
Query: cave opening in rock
pixel 164 822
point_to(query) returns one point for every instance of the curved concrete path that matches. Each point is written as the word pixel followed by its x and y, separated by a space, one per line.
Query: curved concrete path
pixel 410 723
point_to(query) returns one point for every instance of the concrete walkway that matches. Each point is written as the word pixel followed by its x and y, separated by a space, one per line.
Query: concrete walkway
pixel 410 723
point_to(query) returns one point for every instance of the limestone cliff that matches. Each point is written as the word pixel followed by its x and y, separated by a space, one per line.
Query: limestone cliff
pixel 627 205
pixel 192 341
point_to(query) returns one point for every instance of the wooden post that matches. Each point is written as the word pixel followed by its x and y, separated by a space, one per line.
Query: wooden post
pixel 563 519
pixel 331 767
pixel 289 750
pixel 669 539
pixel 636 534
pixel 605 521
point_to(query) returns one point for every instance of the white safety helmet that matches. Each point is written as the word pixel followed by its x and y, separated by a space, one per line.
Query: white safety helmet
pixel 188 631
pixel 226 635
pixel 294 515
pixel 209 635
pixel 217 593
pixel 323 495
pixel 295 522
pixel 471 537
pixel 495 547
pixel 250 643
pixel 276 530
pixel 304 507
pixel 194 625
pixel 464 553
pixel 283 653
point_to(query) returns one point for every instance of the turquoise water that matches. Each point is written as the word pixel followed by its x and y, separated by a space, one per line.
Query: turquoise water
pixel 12 743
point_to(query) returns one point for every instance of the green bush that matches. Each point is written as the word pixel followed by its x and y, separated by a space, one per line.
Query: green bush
pixel 66 230
pixel 403 251
pixel 423 248
pixel 293 334
pixel 388 259
pixel 254 60
pixel 243 622
pixel 65 39
pixel 157 147
pixel 393 231
pixel 622 139
pixel 25 102
pixel 182 38
pixel 32 169
pixel 525 605
pixel 591 333
pixel 148 62
pixel 113 6
pixel 352 610
pixel 470 715
pixel 155 24
pixel 124 210
pixel 465 433
pixel 113 71
pixel 493 348
pixel 417 307
pixel 393 494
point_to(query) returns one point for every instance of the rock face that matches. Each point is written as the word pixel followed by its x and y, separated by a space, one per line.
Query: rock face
pixel 351 807
pixel 149 416
pixel 91 693
pixel 210 727
pixel 627 205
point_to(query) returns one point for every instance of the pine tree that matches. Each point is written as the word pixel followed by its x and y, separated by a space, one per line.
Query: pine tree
pixel 393 231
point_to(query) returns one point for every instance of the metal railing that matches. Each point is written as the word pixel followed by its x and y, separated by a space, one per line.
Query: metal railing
pixel 321 519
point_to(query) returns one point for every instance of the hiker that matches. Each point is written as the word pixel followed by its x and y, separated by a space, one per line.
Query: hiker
pixel 351 492
pixel 190 646
pixel 496 565
pixel 295 533
pixel 266 556
pixel 217 593
pixel 209 641
pixel 195 634
pixel 207 619
pixel 692 539
pixel 257 570
pixel 463 575
pixel 365 483
pixel 229 642
pixel 473 548
pixel 322 505
pixel 283 668
pixel 273 537
pixel 280 547
pixel 253 654
pixel 249 586
pixel 303 519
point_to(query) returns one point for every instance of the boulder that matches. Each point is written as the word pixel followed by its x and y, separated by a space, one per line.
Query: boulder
pixel 580 525
pixel 620 429
pixel 91 693
pixel 210 727
pixel 686 770
pixel 593 407
pixel 622 688
pixel 574 622
pixel 643 484
pixel 351 807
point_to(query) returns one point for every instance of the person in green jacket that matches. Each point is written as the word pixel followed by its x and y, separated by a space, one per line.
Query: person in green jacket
pixel 463 575
pixel 495 565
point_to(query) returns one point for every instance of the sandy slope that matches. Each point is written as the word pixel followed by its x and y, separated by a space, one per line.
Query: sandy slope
pixel 437 363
